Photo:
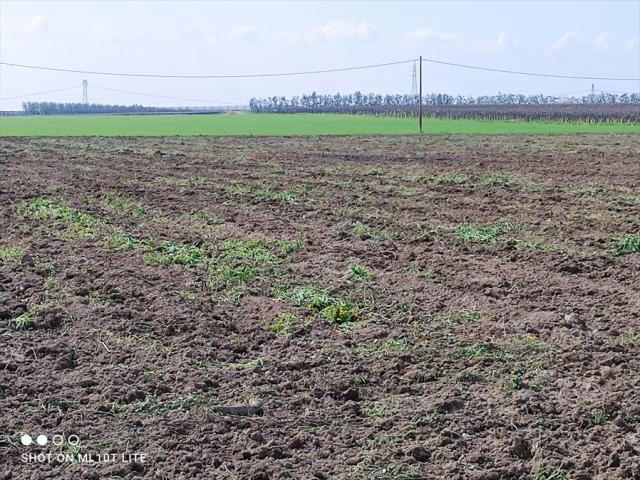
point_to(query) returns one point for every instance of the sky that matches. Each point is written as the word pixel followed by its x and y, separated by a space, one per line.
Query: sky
pixel 583 38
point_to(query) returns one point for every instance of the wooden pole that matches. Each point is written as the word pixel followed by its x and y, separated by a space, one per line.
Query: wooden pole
pixel 420 100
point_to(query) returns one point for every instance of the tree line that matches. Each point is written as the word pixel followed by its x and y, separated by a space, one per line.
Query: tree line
pixel 55 108
pixel 366 102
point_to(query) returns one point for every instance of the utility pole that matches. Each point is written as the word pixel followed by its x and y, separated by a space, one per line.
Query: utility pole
pixel 593 89
pixel 420 99
pixel 85 93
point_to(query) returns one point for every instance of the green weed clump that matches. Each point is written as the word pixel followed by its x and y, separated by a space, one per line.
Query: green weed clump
pixel 265 192
pixel 319 302
pixel 42 315
pixel 450 317
pixel 485 233
pixel 482 350
pixel 12 253
pixel 626 245
pixel 382 348
pixel 289 246
pixel 115 202
pixel 284 323
pixel 507 181
pixel 235 263
pixel 340 312
pixel 71 221
pixel 551 473
pixel 451 178
pixel 365 232
pixel 359 273
pixel 170 253
pixel 120 241
pixel 152 405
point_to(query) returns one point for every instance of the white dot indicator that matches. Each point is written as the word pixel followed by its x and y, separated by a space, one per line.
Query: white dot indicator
pixel 42 440
pixel 26 439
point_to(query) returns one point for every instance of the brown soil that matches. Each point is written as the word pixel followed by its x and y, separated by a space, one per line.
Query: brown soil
pixel 509 353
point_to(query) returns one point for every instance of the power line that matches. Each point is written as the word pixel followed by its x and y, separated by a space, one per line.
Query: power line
pixel 313 72
pixel 251 75
pixel 161 96
pixel 532 74
pixel 38 93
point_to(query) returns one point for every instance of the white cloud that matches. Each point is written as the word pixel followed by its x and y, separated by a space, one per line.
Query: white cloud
pixel 504 40
pixel 424 34
pixel 632 43
pixel 331 32
pixel 35 25
pixel 602 40
pixel 342 30
pixel 235 34
pixel 564 40
pixel 239 32
pixel 458 41
pixel 288 36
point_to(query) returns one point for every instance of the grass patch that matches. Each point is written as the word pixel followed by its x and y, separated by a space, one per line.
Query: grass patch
pixel 514 381
pixel 449 317
pixel 203 219
pixel 359 273
pixel 382 348
pixel 626 245
pixel 341 312
pixel 426 232
pixel 248 365
pixel 318 302
pixel 264 193
pixel 235 263
pixel 507 181
pixel 154 406
pixel 46 314
pixel 426 273
pixel 50 283
pixel 551 473
pixel 289 246
pixel 121 241
pixel 482 350
pixel 600 416
pixel 69 220
pixel 188 295
pixel 485 233
pixel 365 232
pixel 280 124
pixel 450 178
pixel 284 323
pixel 170 253
pixel 532 342
pixel 115 202
pixel 185 184
pixel 12 253
pixel 380 409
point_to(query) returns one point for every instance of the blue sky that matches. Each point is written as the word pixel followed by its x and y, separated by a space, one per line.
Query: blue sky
pixel 592 38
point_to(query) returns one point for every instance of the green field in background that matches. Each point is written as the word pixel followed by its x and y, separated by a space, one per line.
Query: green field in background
pixel 278 124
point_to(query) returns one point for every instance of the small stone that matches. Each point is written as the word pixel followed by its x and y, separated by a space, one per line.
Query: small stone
pixel 521 448
pixel 573 320
pixel 296 442
pixel 615 461
pixel 27 260
pixel 352 394
pixel 67 361
pixel 421 454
